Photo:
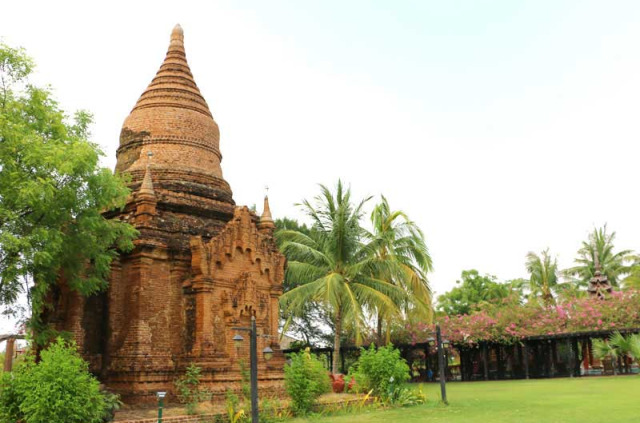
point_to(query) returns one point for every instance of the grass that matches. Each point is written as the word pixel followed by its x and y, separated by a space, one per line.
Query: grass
pixel 583 400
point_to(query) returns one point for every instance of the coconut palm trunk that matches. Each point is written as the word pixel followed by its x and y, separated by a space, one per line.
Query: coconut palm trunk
pixel 336 344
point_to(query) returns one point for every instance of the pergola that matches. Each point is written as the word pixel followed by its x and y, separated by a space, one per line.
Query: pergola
pixel 8 356
pixel 546 356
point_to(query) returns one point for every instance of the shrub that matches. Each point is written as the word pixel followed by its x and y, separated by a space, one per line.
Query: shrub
pixel 189 391
pixel 112 404
pixel 382 371
pixel 57 389
pixel 305 379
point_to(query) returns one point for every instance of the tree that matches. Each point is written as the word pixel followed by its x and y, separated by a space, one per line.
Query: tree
pixel 473 291
pixel 606 350
pixel 59 388
pixel 52 195
pixel 395 237
pixel 334 268
pixel 632 281
pixel 599 246
pixel 543 278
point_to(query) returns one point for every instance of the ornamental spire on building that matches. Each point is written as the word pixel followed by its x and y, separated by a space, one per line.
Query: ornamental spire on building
pixel 266 221
pixel 172 118
pixel 599 283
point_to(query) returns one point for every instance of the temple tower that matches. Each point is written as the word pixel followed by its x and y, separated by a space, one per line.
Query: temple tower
pixel 200 266
pixel 599 285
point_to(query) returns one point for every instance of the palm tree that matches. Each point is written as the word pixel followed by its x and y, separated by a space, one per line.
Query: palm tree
pixel 334 268
pixel 599 248
pixel 627 347
pixel 634 347
pixel 543 278
pixel 395 237
pixel 632 281
pixel 603 349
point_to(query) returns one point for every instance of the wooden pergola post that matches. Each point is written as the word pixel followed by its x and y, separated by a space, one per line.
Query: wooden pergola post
pixel 525 359
pixel 485 360
pixel 8 354
pixel 571 357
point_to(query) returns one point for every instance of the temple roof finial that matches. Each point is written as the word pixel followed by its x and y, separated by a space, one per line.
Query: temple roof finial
pixel 266 221
pixel 147 183
pixel 177 36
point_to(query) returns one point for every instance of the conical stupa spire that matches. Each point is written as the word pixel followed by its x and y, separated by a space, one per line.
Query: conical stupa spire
pixel 266 221
pixel 147 183
pixel 173 84
pixel 172 118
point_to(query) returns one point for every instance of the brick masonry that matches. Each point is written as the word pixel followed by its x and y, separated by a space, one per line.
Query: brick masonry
pixel 200 266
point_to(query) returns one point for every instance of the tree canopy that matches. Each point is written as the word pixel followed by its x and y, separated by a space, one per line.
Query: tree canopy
pixel 599 247
pixel 52 195
pixel 474 290
pixel 397 239
pixel 334 268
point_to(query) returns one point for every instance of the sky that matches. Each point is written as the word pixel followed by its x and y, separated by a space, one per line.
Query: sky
pixel 499 127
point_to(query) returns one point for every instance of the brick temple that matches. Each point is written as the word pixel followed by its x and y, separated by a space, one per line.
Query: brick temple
pixel 200 267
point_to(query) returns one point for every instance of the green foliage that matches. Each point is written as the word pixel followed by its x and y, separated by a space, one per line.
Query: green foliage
pixel 599 247
pixel 335 269
pixel 543 271
pixel 245 374
pixel 474 291
pixel 59 388
pixel 305 379
pixel 235 413
pixel 408 396
pixel 397 239
pixel 53 194
pixel 190 393
pixel 273 411
pixel 112 404
pixel 383 371
pixel 626 345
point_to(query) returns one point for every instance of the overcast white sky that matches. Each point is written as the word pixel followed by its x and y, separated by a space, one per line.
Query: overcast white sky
pixel 500 127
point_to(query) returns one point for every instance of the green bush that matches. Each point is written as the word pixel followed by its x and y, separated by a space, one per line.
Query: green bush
pixel 189 391
pixel 58 389
pixel 305 379
pixel 112 404
pixel 382 371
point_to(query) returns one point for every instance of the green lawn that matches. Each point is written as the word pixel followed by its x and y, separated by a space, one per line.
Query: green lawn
pixel 582 400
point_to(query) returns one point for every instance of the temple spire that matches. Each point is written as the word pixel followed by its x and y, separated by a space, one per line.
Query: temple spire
pixel 146 197
pixel 599 283
pixel 172 118
pixel 146 188
pixel 177 37
pixel 266 221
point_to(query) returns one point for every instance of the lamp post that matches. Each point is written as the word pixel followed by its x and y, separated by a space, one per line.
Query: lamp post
pixel 441 345
pixel 160 396
pixel 253 357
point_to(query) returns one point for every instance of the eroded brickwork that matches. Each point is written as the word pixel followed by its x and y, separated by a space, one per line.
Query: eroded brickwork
pixel 200 266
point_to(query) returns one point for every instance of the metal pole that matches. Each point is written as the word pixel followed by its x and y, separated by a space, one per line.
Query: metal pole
pixel 254 371
pixel 443 376
pixel 160 404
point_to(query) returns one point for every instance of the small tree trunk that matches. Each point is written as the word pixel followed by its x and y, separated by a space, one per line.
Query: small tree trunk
pixel 379 329
pixel 336 343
